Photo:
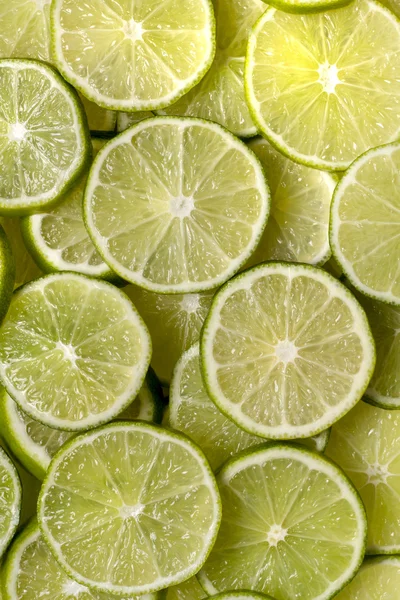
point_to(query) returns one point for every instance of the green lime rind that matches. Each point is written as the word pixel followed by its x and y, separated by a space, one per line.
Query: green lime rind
pixel 23 204
pixel 242 283
pixel 241 595
pixel 99 119
pixel 378 578
pixel 126 120
pixel 11 495
pixel 190 468
pixel 7 274
pixel 260 512
pixel 307 6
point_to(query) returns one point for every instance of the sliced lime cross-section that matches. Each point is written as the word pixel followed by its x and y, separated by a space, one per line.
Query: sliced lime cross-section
pixel 7 273
pixel 187 590
pixel 378 578
pixel 10 494
pixel 25 29
pixel 125 120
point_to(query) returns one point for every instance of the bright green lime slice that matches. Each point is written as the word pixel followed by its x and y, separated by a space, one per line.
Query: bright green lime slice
pixel 174 322
pixel 365 223
pixel 11 497
pixel 176 225
pixel 378 579
pixel 7 272
pixel 241 596
pixel 125 120
pixel 57 238
pixel 25 267
pixel 188 590
pixel 99 119
pixel 292 526
pixel 24 29
pixel 286 350
pixel 31 572
pixel 220 95
pixel 366 444
pixel 73 351
pixel 138 488
pixel 297 229
pixel 323 88
pixel 133 55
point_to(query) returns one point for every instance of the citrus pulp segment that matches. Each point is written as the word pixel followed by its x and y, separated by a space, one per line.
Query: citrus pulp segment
pixel 365 444
pixel 7 273
pixel 298 226
pixel 286 350
pixel 10 493
pixel 187 590
pixel 174 322
pixel 164 211
pixel 220 95
pixel 31 572
pixel 378 579
pixel 24 29
pixel 323 88
pixel 140 488
pixel 365 223
pixel 57 238
pixel 133 56
pixel 99 119
pixel 44 145
pixel 25 267
pixel 73 351
pixel 292 526
pixel 125 120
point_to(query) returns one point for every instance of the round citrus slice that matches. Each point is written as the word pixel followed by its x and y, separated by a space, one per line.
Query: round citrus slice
pixel 30 572
pixel 365 223
pixel 125 120
pixel 7 273
pixel 286 350
pixel 164 211
pixel 365 443
pixel 378 579
pixel 187 590
pixel 99 119
pixel 73 351
pixel 323 88
pixel 298 226
pixel 220 95
pixel 293 526
pixel 57 238
pixel 133 55
pixel 44 145
pixel 25 267
pixel 24 29
pixel 11 497
pixel 135 488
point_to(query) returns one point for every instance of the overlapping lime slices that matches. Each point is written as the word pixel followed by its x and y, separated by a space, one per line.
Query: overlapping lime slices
pixel 378 578
pixel 25 267
pixel 7 273
pixel 325 87
pixel 164 210
pixel 10 494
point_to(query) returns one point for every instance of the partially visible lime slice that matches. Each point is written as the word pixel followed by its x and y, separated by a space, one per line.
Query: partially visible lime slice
pixel 241 596
pixel 24 29
pixel 73 351
pixel 145 491
pixel 44 144
pixel 366 444
pixel 286 350
pixel 293 526
pixel 57 238
pixel 220 95
pixel 125 120
pixel 323 88
pixel 31 572
pixel 99 119
pixel 307 6
pixel 378 579
pixel 164 211
pixel 394 6
pixel 333 268
pixel 133 55
pixel 298 226
pixel 25 267
pixel 7 273
pixel 365 223
pixel 188 590
pixel 10 494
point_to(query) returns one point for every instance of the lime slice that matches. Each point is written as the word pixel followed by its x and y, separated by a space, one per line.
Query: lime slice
pixel 11 497
pixel 365 443
pixel 378 579
pixel 188 590
pixel 292 526
pixel 176 225
pixel 243 595
pixel 307 6
pixel 125 120
pixel 24 29
pixel 44 145
pixel 57 238
pixel 7 273
pixel 174 322
pixel 297 229
pixel 366 241
pixel 99 119
pixel 286 350
pixel 30 572
pixel 130 508
pixel 25 267
pixel 324 88
pixel 133 55
pixel 393 5
pixel 220 95
pixel 73 351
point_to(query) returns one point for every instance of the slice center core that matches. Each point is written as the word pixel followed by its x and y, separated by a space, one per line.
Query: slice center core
pixel 190 303
pixel 286 351
pixel 73 588
pixel 17 132
pixel 328 77
pixel 275 535
pixel 127 512
pixel 68 351
pixel 377 474
pixel 133 30
pixel 181 206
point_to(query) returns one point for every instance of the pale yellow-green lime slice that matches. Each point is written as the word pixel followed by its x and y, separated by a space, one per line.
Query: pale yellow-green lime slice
pixel 99 119
pixel 133 55
pixel 11 498
pixel 144 490
pixel 298 226
pixel 365 223
pixel 24 29
pixel 220 95
pixel 125 120
pixel 324 88
pixel 188 590
pixel 164 211
pixel 242 595
pixel 366 444
pixel 378 579
pixel 25 267
pixel 7 272
pixel 292 526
